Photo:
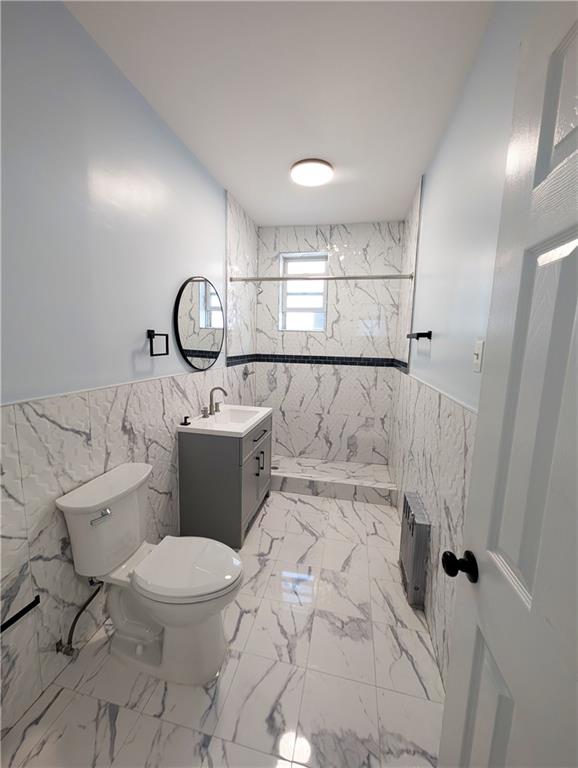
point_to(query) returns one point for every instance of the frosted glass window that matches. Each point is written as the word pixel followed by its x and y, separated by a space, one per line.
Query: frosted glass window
pixel 303 303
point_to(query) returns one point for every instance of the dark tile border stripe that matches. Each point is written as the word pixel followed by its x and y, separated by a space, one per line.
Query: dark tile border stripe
pixel 205 353
pixel 378 362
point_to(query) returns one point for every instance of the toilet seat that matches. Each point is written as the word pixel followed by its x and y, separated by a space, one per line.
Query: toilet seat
pixel 187 569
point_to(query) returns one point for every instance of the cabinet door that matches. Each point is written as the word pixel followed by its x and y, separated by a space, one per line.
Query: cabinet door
pixel 250 484
pixel 264 466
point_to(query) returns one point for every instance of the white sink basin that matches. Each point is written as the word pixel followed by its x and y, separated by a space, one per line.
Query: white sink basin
pixel 235 415
pixel 231 421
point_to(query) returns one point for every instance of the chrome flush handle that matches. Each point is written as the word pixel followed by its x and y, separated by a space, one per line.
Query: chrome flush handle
pixel 102 516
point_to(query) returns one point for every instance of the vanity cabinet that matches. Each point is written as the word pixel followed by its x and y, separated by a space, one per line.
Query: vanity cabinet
pixel 223 481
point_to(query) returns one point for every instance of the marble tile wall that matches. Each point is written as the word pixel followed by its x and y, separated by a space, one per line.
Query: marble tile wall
pixel 335 413
pixel 361 316
pixel 431 447
pixel 241 297
pixel 51 446
pixel 338 413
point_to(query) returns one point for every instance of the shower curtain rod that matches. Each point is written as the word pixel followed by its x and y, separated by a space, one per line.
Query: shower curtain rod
pixel 285 279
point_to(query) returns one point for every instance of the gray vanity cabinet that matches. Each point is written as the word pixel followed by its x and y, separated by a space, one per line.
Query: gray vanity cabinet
pixel 222 482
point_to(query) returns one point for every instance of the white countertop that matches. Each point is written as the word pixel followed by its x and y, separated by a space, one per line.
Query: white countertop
pixel 232 421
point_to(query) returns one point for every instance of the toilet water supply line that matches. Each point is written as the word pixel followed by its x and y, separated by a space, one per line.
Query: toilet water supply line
pixel 68 649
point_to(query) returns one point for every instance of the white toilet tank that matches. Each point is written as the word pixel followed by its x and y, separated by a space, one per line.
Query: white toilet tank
pixel 104 518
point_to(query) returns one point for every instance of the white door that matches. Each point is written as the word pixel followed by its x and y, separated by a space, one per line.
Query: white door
pixel 511 698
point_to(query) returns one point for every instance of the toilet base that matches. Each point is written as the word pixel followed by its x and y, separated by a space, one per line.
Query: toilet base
pixel 185 655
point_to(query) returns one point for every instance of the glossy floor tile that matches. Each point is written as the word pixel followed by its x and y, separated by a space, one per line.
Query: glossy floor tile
pixel 327 667
pixel 343 646
pixel 338 724
pixel 262 706
pixel 282 632
pixel 405 662
pixel 194 706
pixel 409 729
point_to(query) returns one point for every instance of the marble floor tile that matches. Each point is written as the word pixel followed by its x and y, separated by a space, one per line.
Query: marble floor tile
pixel 18 743
pixel 346 556
pixel 225 754
pixel 256 574
pixel 346 521
pixel 302 548
pixel 194 706
pixel 88 733
pixel 409 729
pixel 116 682
pixel 309 518
pixel 157 744
pixel 380 514
pixel 342 645
pixel 262 542
pixel 282 632
pixel 277 510
pixel 405 662
pixel 383 529
pixel 238 619
pixel 383 564
pixel 295 513
pixel 338 724
pixel 91 657
pixel 262 706
pixel 293 584
pixel 389 605
pixel 345 594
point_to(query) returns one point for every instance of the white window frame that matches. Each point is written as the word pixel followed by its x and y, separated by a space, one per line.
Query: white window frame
pixel 284 285
pixel 207 290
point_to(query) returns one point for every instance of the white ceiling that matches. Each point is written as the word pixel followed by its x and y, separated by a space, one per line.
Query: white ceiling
pixel 252 87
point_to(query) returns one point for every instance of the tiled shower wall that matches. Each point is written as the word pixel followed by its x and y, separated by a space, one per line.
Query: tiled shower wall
pixel 331 412
pixel 51 446
pixel 335 412
pixel 361 316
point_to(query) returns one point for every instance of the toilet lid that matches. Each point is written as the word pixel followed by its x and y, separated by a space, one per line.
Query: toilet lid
pixel 187 567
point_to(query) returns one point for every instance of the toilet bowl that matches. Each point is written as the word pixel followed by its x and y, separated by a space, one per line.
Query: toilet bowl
pixel 165 600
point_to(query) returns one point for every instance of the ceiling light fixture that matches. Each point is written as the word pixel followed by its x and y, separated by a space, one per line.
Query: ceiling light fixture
pixel 311 172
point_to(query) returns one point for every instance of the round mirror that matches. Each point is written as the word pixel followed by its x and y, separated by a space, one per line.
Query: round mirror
pixel 198 321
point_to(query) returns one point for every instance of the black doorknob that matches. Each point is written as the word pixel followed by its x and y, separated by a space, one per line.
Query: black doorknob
pixel 467 564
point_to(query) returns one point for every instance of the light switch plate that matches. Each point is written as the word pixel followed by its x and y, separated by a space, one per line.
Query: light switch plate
pixel 478 355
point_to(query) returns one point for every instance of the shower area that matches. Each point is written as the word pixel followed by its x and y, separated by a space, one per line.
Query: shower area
pixel 319 315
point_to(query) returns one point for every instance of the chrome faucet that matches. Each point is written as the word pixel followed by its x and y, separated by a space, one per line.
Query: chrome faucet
pixel 214 407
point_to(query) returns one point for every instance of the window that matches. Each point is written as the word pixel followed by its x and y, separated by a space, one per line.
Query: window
pixel 210 304
pixel 303 303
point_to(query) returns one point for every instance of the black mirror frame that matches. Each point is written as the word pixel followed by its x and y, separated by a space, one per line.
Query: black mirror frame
pixel 176 322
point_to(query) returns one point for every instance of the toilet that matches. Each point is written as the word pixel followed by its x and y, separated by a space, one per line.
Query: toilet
pixel 165 600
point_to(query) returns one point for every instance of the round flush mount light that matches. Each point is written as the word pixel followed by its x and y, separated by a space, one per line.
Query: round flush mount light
pixel 311 172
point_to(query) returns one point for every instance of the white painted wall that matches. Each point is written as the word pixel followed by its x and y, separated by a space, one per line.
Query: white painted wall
pixel 105 213
pixel 461 203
